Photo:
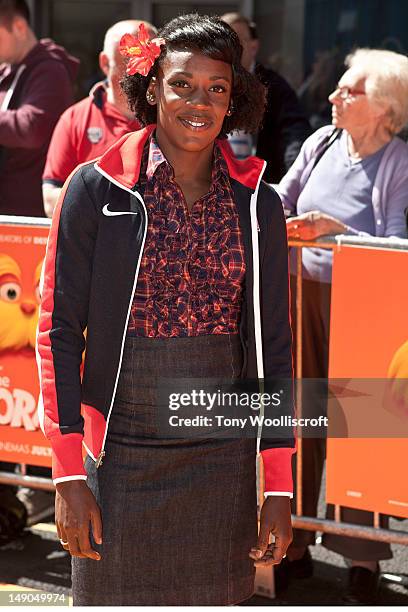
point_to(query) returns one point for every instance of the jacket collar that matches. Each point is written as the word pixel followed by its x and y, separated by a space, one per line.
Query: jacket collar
pixel 122 160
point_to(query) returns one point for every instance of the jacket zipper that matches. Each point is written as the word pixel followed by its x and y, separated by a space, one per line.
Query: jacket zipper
pixel 256 289
pixel 137 195
pixel 102 453
pixel 99 458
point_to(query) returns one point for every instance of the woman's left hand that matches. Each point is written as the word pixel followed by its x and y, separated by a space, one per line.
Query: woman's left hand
pixel 275 519
pixel 313 224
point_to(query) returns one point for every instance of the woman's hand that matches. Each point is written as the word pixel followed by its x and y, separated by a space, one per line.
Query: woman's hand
pixel 75 508
pixel 275 519
pixel 313 224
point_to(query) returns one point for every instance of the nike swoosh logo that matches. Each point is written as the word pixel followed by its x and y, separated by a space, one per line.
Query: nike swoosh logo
pixel 114 213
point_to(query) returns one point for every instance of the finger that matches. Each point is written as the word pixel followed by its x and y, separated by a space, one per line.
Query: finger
pixel 303 218
pixel 74 546
pixel 96 522
pixel 85 545
pixel 290 223
pixel 263 539
pixel 279 550
pixel 58 531
pixel 292 232
pixel 56 515
pixel 266 561
pixel 63 538
pixel 253 553
pixel 269 558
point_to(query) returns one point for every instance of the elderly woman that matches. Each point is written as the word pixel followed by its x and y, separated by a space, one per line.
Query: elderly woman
pixel 350 179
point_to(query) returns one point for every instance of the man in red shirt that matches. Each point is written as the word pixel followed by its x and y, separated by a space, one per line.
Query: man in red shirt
pixel 89 127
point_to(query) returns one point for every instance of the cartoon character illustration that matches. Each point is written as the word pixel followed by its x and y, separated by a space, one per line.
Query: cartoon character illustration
pixel 19 303
pixel 396 394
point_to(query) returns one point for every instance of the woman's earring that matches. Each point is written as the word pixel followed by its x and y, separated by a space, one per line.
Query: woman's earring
pixel 150 98
pixel 230 110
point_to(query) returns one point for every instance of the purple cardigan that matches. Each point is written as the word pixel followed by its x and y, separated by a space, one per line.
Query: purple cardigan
pixel 391 182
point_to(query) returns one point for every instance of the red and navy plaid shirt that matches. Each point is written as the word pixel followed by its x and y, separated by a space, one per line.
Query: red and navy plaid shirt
pixel 192 269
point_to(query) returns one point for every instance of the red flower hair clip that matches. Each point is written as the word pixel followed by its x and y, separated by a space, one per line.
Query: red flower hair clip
pixel 141 50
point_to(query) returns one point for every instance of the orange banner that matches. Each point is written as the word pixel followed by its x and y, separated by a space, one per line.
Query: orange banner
pixel 369 340
pixel 22 250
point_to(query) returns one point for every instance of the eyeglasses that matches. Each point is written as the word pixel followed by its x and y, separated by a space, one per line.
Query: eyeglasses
pixel 346 92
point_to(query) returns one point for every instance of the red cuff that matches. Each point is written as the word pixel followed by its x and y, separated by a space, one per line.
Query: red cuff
pixel 278 469
pixel 67 455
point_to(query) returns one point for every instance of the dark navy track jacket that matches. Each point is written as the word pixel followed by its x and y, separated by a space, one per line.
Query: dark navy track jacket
pixel 90 273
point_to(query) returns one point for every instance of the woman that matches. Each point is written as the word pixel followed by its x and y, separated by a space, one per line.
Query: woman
pixel 352 179
pixel 155 250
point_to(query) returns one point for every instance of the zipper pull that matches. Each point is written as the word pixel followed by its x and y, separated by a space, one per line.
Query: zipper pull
pixel 100 457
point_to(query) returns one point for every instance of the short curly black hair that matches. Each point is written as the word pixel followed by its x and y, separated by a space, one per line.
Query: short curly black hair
pixel 217 40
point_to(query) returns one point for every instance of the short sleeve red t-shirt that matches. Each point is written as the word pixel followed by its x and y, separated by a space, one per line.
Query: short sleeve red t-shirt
pixel 84 132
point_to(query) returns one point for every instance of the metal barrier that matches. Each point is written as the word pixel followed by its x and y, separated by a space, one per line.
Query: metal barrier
pixel 318 524
pixel 298 521
pixel 23 480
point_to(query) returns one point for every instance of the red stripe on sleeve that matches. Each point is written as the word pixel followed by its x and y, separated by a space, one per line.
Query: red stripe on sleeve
pixel 278 469
pixel 66 462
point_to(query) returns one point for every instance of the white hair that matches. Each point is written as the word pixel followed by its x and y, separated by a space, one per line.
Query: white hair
pixel 128 26
pixel 386 74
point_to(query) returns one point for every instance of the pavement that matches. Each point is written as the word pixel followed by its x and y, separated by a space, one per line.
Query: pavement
pixel 37 561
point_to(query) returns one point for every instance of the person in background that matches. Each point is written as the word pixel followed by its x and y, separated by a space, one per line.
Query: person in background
pixel 350 178
pixel 313 94
pixel 88 128
pixel 285 126
pixel 36 86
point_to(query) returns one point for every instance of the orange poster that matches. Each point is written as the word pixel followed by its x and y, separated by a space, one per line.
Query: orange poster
pixel 22 250
pixel 369 352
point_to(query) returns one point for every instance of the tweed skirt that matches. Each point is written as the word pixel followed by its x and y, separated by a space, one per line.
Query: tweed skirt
pixel 179 515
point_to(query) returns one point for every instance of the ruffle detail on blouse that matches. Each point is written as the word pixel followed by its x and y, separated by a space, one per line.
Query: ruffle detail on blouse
pixel 194 283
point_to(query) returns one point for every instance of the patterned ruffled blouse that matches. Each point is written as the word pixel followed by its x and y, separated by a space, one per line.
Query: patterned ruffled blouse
pixel 192 269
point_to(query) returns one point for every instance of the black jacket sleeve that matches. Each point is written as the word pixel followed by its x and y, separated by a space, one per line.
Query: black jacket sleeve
pixel 63 318
pixel 277 442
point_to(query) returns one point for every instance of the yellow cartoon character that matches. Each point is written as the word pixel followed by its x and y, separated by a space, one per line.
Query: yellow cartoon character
pixel 396 395
pixel 19 302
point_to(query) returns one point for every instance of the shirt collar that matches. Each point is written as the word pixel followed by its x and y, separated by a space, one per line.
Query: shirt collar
pixel 156 158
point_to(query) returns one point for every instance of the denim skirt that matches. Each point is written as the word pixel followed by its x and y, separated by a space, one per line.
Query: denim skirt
pixel 179 516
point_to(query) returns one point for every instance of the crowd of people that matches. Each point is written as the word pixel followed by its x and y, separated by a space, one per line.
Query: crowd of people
pixel 183 132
